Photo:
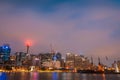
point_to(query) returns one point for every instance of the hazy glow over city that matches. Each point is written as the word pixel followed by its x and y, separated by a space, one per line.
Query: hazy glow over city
pixel 91 28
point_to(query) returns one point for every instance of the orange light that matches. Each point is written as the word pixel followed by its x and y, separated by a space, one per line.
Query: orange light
pixel 28 43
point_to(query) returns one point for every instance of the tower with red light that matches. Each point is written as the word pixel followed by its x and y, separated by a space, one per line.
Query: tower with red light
pixel 28 43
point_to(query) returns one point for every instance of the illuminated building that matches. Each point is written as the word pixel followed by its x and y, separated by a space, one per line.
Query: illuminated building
pixel 82 62
pixel 77 61
pixel 70 60
pixel 46 59
pixel 100 66
pixel 118 63
pixel 5 52
pixel 50 60
pixel 36 61
pixel 56 64
pixel 13 60
pixel 116 66
pixel 45 56
pixel 62 62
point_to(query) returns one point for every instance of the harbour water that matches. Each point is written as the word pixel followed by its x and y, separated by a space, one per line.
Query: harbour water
pixel 56 76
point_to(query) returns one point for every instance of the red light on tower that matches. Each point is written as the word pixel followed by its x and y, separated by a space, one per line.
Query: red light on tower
pixel 28 43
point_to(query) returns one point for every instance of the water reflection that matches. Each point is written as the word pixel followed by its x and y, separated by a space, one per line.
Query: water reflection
pixel 23 76
pixel 3 76
pixel 67 76
pixel 103 76
pixel 34 76
pixel 84 77
pixel 56 76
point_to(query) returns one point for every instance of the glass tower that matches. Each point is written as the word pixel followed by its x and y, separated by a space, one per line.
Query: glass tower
pixel 5 52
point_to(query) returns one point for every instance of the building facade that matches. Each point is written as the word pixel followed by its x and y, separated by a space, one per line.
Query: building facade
pixel 5 53
pixel 77 61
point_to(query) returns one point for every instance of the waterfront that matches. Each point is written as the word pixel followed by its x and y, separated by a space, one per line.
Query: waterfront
pixel 56 76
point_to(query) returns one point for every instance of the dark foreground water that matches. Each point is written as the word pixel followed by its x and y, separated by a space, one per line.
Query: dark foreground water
pixel 56 76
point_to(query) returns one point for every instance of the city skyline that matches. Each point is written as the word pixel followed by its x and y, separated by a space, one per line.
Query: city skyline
pixel 85 27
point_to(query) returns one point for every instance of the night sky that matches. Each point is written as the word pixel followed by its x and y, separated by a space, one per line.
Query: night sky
pixel 88 27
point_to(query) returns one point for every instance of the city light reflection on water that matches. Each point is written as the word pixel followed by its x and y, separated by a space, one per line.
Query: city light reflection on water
pixel 103 76
pixel 34 76
pixel 56 76
pixel 3 76
pixel 84 77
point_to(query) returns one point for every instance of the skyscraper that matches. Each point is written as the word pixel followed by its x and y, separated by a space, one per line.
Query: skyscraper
pixel 5 52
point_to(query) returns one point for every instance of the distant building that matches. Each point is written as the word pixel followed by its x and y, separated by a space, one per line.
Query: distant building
pixel 45 56
pixel 50 60
pixel 5 53
pixel 77 61
pixel 70 58
pixel 58 56
pixel 62 63
pixel 36 61
pixel 20 58
pixel 118 63
pixel 116 66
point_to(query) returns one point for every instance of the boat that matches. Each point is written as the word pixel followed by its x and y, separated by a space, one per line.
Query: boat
pixel 98 72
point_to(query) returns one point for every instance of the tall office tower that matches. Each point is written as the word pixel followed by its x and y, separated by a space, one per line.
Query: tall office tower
pixel 20 58
pixel 70 58
pixel 5 52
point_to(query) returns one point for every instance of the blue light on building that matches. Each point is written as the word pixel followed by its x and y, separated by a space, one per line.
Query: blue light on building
pixel 54 58
pixel 5 52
